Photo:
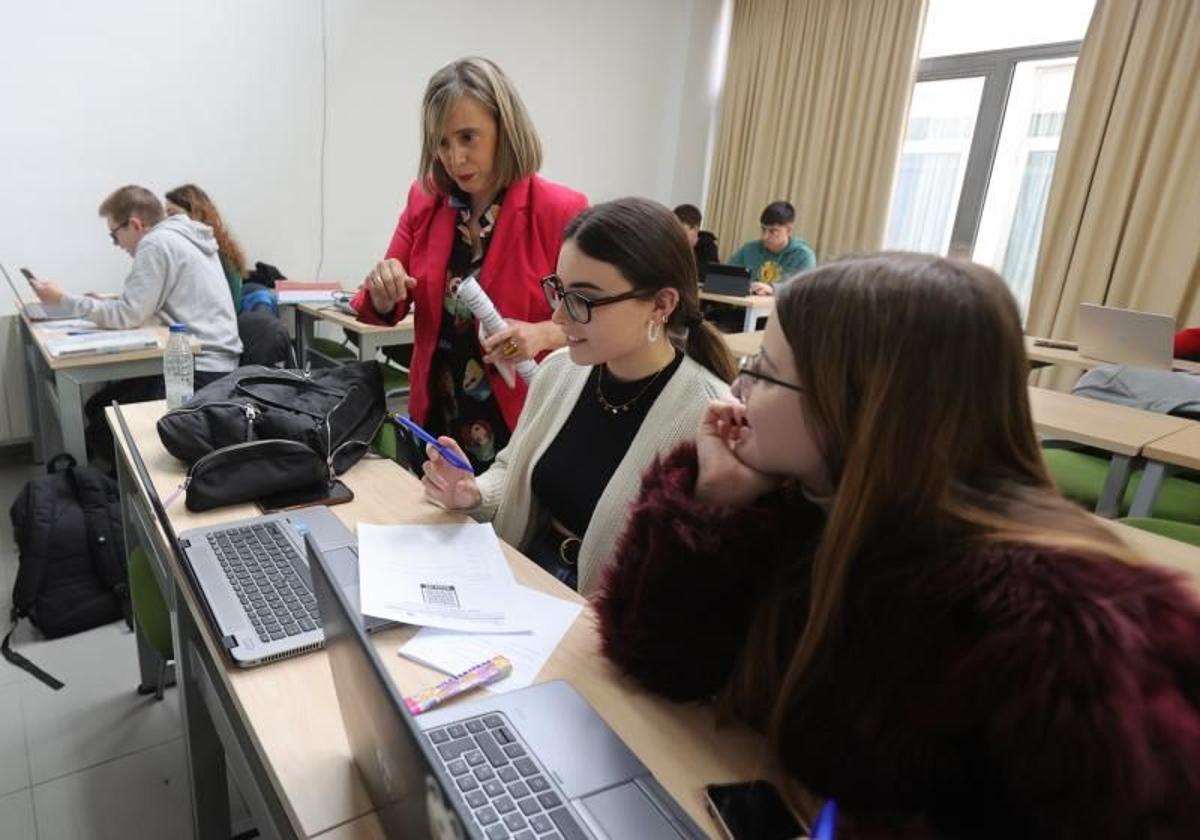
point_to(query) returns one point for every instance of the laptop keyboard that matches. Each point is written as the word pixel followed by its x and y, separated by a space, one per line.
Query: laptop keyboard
pixel 508 793
pixel 258 560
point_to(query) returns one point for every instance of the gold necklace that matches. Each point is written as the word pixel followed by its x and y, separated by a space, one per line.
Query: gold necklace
pixel 623 408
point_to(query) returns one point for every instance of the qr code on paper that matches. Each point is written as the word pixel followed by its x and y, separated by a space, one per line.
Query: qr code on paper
pixel 438 595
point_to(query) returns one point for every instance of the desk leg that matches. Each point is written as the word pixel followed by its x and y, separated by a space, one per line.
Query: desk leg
pixel 304 336
pixel 1109 504
pixel 205 756
pixel 35 396
pixel 1147 492
pixel 70 415
pixel 750 320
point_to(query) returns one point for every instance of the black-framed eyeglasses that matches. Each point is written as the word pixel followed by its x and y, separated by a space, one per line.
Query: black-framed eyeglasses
pixel 579 307
pixel 112 232
pixel 750 370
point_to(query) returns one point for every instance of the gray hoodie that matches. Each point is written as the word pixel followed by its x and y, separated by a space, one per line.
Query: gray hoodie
pixel 176 274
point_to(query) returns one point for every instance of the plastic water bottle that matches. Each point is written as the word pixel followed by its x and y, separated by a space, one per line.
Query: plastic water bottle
pixel 177 367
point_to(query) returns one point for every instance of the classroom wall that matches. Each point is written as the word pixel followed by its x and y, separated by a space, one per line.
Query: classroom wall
pixel 300 116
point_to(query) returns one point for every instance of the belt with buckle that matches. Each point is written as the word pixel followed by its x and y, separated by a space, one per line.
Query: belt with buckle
pixel 568 545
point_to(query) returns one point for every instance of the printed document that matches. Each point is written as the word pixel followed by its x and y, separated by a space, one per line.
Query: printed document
pixel 449 576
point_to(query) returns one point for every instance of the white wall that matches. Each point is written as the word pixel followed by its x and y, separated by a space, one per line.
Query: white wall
pixel 229 94
pixel 619 92
pixel 95 95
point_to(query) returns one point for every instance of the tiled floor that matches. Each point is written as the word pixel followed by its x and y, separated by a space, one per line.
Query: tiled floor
pixel 94 760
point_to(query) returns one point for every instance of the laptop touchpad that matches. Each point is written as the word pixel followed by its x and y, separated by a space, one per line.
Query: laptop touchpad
pixel 626 811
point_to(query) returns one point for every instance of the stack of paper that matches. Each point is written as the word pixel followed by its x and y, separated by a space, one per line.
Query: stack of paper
pixel 549 619
pixel 103 341
pixel 296 291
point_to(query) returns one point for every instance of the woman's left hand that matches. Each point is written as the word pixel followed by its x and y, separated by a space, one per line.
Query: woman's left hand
pixel 522 340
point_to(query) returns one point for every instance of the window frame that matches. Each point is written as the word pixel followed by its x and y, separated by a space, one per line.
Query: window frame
pixel 997 68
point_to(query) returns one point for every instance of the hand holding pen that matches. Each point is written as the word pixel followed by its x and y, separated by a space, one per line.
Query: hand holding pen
pixel 448 478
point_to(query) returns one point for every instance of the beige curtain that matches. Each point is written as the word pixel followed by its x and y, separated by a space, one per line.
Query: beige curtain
pixel 816 95
pixel 1123 215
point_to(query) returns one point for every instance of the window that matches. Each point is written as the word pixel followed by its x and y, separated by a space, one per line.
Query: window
pixel 983 131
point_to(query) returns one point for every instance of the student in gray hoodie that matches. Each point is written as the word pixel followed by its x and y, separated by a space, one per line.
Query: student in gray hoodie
pixel 177 276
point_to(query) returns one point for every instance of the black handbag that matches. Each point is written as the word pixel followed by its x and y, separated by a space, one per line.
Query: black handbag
pixel 261 431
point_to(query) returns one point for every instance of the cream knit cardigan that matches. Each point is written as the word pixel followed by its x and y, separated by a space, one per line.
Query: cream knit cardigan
pixel 505 489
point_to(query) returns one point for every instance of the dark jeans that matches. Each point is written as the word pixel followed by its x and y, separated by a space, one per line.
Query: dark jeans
pixel 98 435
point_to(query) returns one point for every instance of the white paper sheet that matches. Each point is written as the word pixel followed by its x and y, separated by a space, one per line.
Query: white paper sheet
pixel 104 341
pixel 68 325
pixel 449 576
pixel 549 619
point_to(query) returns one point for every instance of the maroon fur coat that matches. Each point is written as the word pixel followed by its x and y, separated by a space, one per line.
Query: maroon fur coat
pixel 971 691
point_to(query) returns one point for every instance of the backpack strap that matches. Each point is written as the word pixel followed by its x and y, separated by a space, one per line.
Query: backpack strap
pixel 24 664
pixel 104 549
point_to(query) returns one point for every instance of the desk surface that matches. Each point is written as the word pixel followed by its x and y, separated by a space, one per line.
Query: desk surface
pixel 744 343
pixel 40 334
pixel 1159 550
pixel 747 302
pixel 1180 449
pixel 1115 428
pixel 329 312
pixel 1072 358
pixel 679 743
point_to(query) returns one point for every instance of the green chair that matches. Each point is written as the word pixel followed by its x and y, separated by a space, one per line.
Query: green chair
pixel 150 612
pixel 334 352
pixel 1080 476
pixel 386 443
pixel 1182 531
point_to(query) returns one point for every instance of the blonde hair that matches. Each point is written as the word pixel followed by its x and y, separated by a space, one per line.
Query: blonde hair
pixel 132 201
pixel 518 149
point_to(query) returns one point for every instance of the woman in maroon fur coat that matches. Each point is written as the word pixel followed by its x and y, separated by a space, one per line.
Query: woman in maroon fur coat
pixel 865 558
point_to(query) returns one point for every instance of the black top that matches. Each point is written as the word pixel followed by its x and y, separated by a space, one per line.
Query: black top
pixel 705 250
pixel 462 405
pixel 574 470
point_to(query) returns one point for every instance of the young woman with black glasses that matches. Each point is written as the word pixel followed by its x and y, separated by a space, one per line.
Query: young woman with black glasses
pixel 638 371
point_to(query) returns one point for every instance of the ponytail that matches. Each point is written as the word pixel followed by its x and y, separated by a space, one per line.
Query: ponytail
pixel 704 344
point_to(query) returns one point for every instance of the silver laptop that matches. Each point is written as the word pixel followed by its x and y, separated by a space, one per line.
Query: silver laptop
pixel 536 762
pixel 252 577
pixel 37 311
pixel 1126 336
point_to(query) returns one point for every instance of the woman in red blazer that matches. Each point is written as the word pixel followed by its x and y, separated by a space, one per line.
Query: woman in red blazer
pixel 479 206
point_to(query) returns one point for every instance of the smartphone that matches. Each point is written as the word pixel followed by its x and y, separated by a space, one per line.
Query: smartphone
pixel 28 276
pixel 753 811
pixel 336 493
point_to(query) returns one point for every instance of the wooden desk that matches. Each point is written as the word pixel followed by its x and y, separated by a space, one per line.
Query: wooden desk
pixel 744 343
pixel 371 337
pixel 1118 429
pixel 756 306
pixel 54 385
pixel 278 726
pixel 1042 356
pixel 1179 449
pixel 1160 550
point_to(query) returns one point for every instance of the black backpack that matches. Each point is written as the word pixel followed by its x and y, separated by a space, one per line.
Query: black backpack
pixel 72 574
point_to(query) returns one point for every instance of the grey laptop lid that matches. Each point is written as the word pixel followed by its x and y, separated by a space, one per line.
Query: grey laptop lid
pixel 721 279
pixel 411 792
pixel 36 310
pixel 1126 336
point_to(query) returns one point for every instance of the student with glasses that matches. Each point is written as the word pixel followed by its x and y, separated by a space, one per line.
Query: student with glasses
pixel 639 369
pixel 864 557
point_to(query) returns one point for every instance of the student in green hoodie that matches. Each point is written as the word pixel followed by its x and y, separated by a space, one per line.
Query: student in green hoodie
pixel 776 255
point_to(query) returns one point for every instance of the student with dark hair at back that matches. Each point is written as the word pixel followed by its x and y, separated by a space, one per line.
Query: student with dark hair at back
pixel 195 203
pixel 864 557
pixel 703 242
pixel 639 369
pixel 776 255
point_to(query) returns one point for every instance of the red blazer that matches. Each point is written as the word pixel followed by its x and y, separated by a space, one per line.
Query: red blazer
pixel 523 250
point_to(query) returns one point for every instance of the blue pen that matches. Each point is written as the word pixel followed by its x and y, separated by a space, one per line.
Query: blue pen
pixel 826 820
pixel 423 435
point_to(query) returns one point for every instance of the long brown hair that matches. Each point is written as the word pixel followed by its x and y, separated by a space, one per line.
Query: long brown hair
pixel 642 240
pixel 518 148
pixel 915 380
pixel 196 203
